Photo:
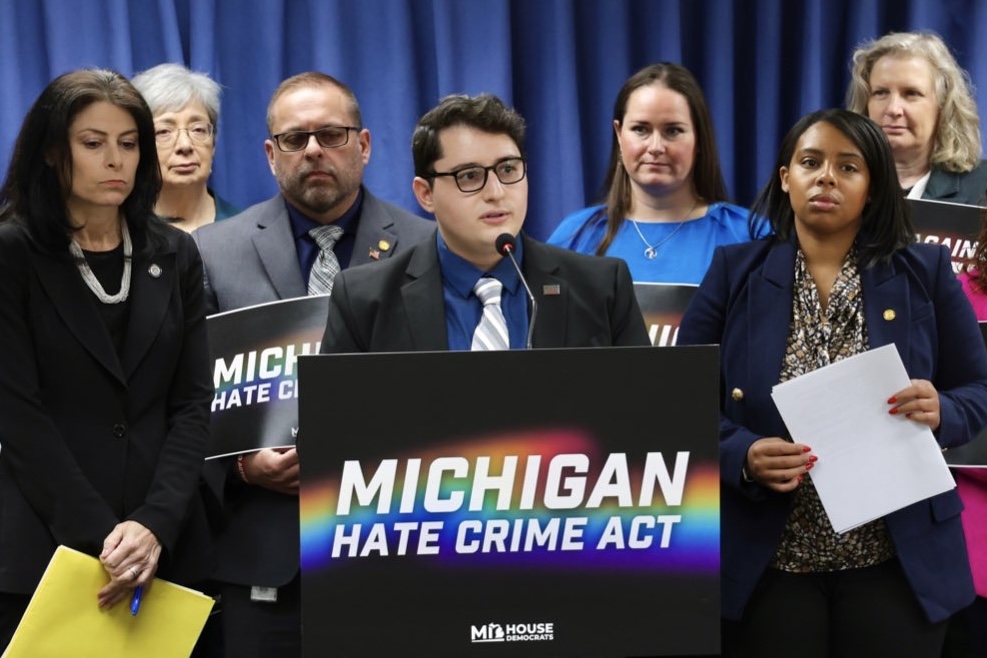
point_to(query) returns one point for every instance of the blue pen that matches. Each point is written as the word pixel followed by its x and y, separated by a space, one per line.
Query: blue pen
pixel 135 602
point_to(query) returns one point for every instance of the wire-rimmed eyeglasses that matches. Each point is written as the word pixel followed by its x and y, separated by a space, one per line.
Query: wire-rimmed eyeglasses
pixel 473 179
pixel 329 137
pixel 199 133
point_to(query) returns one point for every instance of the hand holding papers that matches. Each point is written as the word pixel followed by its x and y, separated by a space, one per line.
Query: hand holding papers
pixel 871 463
pixel 254 352
pixel 63 618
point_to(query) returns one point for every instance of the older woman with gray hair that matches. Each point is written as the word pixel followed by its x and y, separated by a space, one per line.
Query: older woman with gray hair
pixel 910 84
pixel 185 105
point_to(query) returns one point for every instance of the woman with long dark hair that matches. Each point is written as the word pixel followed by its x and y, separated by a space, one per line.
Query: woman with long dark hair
pixel 104 377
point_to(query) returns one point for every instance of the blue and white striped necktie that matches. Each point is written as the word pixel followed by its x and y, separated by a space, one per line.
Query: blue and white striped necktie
pixel 491 332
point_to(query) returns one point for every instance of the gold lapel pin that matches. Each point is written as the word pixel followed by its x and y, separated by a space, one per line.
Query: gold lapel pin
pixel 382 247
pixel 889 314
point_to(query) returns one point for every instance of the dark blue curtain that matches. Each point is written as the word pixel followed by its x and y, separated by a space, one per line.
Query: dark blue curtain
pixel 762 63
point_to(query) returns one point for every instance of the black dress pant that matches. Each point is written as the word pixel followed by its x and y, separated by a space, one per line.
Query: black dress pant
pixel 966 636
pixel 260 629
pixel 857 613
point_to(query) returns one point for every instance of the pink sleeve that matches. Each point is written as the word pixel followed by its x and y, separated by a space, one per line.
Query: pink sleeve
pixel 977 297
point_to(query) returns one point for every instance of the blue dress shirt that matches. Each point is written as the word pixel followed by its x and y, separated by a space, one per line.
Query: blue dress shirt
pixel 464 309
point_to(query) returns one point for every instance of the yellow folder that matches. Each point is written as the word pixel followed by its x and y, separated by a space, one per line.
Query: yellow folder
pixel 63 618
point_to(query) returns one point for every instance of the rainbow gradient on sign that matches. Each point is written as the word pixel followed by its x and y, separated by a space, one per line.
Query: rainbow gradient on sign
pixel 264 363
pixel 693 540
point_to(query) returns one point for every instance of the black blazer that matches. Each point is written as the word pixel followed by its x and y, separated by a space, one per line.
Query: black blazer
pixel 969 188
pixel 89 439
pixel 398 306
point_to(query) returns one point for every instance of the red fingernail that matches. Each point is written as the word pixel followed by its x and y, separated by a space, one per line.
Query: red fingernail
pixel 813 459
pixel 809 466
pixel 893 411
pixel 806 449
pixel 908 415
pixel 892 400
pixel 800 477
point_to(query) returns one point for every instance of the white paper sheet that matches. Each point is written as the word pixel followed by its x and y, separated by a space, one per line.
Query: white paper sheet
pixel 870 462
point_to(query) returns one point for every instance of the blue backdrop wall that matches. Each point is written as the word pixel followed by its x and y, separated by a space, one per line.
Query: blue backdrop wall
pixel 762 64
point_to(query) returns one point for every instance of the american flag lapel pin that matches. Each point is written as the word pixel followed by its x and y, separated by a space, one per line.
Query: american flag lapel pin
pixel 551 289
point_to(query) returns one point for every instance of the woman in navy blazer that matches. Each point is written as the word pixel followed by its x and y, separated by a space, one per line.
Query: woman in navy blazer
pixel 105 383
pixel 841 275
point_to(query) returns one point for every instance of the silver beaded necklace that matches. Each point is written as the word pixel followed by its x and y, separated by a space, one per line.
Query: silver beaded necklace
pixel 651 250
pixel 90 278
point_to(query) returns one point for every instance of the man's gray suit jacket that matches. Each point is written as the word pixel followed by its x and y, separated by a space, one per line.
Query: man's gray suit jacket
pixel 251 259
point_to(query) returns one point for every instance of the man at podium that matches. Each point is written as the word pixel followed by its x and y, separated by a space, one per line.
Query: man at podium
pixel 479 283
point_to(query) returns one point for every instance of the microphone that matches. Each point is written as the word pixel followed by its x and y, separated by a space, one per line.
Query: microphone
pixel 505 247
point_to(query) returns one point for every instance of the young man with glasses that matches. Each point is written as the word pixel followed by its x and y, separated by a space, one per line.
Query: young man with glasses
pixel 317 151
pixel 472 175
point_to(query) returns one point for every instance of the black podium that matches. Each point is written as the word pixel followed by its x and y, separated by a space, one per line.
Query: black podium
pixel 528 503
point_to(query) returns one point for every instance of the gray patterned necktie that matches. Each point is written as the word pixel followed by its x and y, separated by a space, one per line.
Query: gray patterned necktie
pixel 326 266
pixel 491 333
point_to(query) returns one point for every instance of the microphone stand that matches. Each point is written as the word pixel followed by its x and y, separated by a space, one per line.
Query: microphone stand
pixel 507 247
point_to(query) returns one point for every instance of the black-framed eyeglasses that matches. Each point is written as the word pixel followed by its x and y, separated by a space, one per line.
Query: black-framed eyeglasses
pixel 473 179
pixel 199 133
pixel 329 137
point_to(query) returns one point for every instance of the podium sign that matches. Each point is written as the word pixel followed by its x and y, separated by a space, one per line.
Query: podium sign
pixel 557 502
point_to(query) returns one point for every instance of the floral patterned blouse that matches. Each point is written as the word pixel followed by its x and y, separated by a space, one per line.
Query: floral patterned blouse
pixel 817 337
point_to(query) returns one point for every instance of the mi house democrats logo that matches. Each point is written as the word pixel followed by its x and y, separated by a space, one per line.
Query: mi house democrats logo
pixel 492 632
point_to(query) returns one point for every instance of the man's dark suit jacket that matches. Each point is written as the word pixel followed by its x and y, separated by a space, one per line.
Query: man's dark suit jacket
pixel 251 259
pixel 583 301
pixel 89 439
pixel 913 301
